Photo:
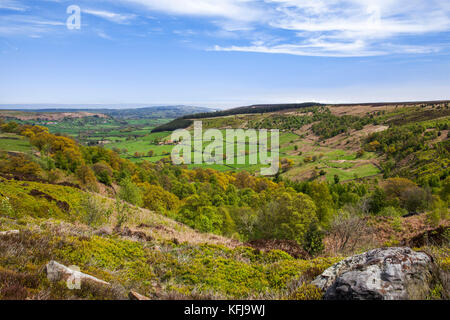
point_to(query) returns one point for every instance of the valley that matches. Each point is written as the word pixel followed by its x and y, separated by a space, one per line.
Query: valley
pixel 98 190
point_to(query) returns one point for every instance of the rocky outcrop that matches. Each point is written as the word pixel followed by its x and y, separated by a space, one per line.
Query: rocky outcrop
pixel 57 272
pixel 380 274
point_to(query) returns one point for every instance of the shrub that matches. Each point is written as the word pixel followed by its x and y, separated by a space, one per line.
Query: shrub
pixel 396 224
pixel 439 212
pixel 87 177
pixel 10 127
pixel 392 212
pixel 377 200
pixel 395 186
pixel 92 211
pixel 415 199
pixel 6 207
pixel 103 172
pixel 55 175
pixel 347 232
pixel 286 217
pixel 306 292
pixel 15 286
pixel 199 213
pixel 122 213
pixel 360 153
pixel 336 179
pixel 130 192
pixel 320 194
pixel 313 242
pixel 19 164
pixel 157 199
pixel 445 191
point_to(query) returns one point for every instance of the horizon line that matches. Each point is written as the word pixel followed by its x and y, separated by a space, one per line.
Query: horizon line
pixel 93 106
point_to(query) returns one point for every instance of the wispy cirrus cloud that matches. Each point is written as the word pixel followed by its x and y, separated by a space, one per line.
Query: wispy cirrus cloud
pixel 336 28
pixel 103 35
pixel 12 5
pixel 111 16
pixel 28 25
pixel 243 10
pixel 319 27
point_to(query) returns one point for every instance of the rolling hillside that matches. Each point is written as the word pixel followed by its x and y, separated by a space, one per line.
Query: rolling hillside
pixel 353 179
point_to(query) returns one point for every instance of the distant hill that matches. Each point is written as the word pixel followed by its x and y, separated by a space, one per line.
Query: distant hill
pixel 186 121
pixel 47 115
pixel 259 108
pixel 154 112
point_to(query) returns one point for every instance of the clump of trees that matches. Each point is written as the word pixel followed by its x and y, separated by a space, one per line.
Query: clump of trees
pixel 411 152
pixel 330 125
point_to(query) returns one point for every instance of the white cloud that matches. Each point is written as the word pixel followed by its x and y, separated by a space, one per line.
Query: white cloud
pixel 338 28
pixel 111 16
pixel 27 25
pixel 318 27
pixel 320 50
pixel 12 5
pixel 243 10
pixel 103 35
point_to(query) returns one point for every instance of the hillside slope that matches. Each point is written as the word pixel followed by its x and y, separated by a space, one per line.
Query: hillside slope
pixel 170 231
pixel 149 253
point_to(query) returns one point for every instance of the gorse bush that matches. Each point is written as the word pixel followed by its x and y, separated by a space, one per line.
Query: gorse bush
pixel 123 212
pixel 93 210
pixel 313 242
pixel 306 292
pixel 19 164
pixel 130 192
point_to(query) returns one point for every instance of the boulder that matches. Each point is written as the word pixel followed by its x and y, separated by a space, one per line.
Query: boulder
pixel 9 233
pixel 133 295
pixel 380 274
pixel 57 272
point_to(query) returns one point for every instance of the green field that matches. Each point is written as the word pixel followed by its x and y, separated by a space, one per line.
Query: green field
pixel 13 142
pixel 302 158
pixel 93 130
pixel 343 163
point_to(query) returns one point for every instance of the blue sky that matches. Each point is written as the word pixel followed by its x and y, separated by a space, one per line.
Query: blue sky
pixel 224 53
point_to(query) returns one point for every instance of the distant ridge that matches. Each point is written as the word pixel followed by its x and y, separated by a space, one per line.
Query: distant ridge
pixel 83 107
pixel 186 121
pixel 377 104
pixel 152 112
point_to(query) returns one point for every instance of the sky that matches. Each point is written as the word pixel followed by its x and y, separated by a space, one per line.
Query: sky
pixel 223 53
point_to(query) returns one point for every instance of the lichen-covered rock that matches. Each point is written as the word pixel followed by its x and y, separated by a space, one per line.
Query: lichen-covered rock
pixel 382 274
pixel 57 272
pixel 9 233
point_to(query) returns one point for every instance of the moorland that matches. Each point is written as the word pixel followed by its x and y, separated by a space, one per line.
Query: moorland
pixel 98 190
